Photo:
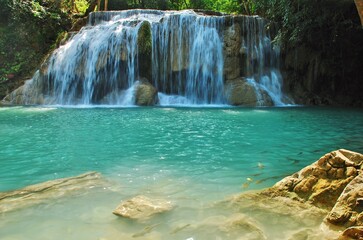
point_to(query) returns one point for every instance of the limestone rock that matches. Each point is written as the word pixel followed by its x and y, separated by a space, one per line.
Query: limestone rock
pixel 145 94
pixel 232 42
pixel 141 207
pixel 348 208
pixel 29 93
pixel 327 193
pixel 287 207
pixel 322 182
pixel 38 193
pixel 240 92
pixel 352 233
pixel 240 222
pixel 235 226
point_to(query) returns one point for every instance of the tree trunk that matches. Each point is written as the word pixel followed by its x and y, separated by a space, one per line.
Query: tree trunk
pixel 98 5
pixel 106 5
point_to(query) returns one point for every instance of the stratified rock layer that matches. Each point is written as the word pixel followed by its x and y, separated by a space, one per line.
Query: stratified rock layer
pixel 38 193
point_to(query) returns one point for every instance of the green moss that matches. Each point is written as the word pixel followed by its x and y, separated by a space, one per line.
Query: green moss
pixel 144 40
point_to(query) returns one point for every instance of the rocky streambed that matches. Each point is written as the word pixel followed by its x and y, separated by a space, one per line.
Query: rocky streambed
pixel 321 201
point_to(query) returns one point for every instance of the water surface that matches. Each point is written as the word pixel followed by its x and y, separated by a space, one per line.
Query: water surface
pixel 191 156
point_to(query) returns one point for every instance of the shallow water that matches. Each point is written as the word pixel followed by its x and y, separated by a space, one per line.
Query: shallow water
pixel 191 156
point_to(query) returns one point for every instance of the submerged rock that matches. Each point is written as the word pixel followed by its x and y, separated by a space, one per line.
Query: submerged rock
pixel 141 207
pixel 243 223
pixel 236 226
pixel 38 193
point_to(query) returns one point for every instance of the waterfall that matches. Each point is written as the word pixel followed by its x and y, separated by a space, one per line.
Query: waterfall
pixel 185 56
pixel 262 60
pixel 188 57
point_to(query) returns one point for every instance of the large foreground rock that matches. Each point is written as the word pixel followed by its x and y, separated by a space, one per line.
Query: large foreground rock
pixel 347 211
pixel 322 182
pixel 41 192
pixel 141 207
pixel 328 193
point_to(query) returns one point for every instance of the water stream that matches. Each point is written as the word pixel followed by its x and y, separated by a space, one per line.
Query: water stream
pixel 180 53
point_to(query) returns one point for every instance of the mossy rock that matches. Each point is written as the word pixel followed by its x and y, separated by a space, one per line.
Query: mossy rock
pixel 144 39
pixel 144 44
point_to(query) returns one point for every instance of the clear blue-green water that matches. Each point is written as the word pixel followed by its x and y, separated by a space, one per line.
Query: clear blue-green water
pixel 193 156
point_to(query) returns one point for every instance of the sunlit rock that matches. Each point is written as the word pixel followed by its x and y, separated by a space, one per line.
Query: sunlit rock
pixel 53 189
pixel 348 208
pixel 141 207
pixel 322 182
pixel 352 233
pixel 328 193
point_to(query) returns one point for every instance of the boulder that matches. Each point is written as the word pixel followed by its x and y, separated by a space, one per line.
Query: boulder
pixel 352 233
pixel 53 189
pixel 242 92
pixel 145 94
pixel 322 182
pixel 347 211
pixel 141 207
pixel 325 198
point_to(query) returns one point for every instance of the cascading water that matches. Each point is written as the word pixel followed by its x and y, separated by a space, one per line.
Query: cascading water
pixel 188 57
pixel 183 55
pixel 262 59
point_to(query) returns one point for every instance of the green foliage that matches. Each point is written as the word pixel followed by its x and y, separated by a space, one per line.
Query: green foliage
pixel 82 6
pixel 27 30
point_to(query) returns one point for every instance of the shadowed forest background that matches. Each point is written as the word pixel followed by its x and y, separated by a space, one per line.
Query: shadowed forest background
pixel 320 40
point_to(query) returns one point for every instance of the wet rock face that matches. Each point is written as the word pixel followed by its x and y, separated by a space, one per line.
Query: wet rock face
pixel 146 94
pixel 141 207
pixel 322 182
pixel 240 92
pixel 232 41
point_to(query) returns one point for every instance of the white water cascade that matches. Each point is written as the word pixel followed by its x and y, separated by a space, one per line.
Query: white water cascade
pixel 188 57
pixel 183 55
